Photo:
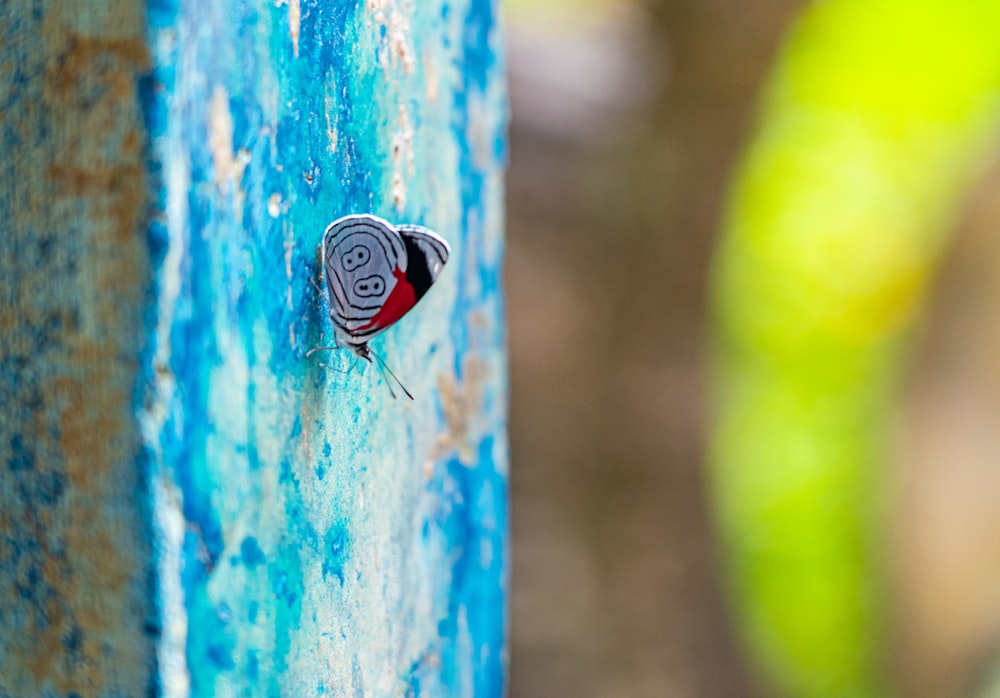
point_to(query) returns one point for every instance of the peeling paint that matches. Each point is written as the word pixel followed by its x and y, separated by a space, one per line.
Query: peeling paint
pixel 399 42
pixel 229 167
pixel 433 77
pixel 174 679
pixel 402 158
pixel 295 506
pixel 331 135
pixel 376 8
pixel 461 402
pixel 274 205
pixel 294 21
pixel 393 24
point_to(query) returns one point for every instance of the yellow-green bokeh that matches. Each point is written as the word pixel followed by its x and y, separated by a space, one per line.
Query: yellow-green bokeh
pixel 878 117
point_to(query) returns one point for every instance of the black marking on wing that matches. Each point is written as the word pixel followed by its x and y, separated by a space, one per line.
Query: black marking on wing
pixel 418 274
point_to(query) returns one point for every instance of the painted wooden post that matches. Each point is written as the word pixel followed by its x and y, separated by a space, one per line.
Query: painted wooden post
pixel 188 504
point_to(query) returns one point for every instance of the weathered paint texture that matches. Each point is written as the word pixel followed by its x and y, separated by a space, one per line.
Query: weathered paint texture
pixel 319 537
pixel 311 535
pixel 75 559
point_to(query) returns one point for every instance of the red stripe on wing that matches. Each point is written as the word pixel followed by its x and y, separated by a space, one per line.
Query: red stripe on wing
pixel 396 305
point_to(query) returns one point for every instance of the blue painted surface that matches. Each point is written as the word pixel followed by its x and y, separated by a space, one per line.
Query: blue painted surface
pixel 316 537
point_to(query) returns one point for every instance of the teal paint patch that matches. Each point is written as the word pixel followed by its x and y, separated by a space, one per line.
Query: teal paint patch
pixel 336 545
pixel 250 552
pixel 467 657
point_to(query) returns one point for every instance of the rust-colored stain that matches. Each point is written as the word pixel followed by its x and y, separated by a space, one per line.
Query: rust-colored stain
pixel 461 401
pixel 86 63
pixel 74 537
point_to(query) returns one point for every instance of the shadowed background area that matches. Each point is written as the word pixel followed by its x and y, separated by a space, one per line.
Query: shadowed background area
pixel 628 121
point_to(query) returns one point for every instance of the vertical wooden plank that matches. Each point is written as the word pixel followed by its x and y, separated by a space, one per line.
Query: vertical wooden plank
pixel 189 505
pixel 75 607
pixel 318 536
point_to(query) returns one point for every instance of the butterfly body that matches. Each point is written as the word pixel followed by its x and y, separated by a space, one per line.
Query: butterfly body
pixel 375 273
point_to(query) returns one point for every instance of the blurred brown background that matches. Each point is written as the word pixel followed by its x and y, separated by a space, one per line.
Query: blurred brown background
pixel 626 121
pixel 947 472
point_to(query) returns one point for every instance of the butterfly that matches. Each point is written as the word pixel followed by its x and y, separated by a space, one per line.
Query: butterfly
pixel 375 273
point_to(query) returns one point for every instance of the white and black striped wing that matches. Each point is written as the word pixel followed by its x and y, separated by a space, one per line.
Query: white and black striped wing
pixel 365 258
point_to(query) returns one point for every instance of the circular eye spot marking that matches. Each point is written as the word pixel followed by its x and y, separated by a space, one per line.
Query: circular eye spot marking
pixel 369 286
pixel 355 257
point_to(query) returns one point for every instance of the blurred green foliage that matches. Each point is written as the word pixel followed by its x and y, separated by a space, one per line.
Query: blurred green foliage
pixel 877 119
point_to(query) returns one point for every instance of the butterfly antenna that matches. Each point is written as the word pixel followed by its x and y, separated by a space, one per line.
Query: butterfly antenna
pixel 386 369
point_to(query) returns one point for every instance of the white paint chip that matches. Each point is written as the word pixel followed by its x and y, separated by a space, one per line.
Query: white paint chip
pixel 294 22
pixel 274 205
pixel 403 161
pixel 399 45
pixel 228 166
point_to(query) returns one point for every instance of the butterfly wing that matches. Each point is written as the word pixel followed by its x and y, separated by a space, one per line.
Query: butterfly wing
pixel 364 258
pixel 376 272
pixel 426 252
